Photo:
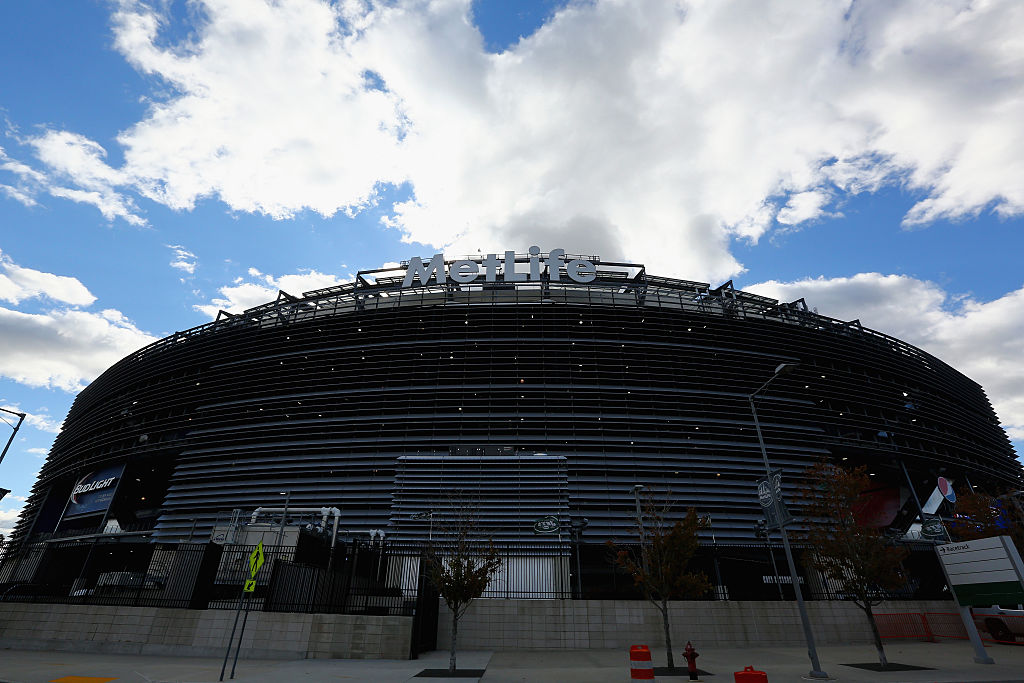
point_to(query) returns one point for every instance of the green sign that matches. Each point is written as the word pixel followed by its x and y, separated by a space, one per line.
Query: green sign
pixel 250 586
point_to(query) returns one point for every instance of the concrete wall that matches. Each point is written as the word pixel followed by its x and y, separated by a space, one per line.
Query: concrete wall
pixel 148 630
pixel 569 624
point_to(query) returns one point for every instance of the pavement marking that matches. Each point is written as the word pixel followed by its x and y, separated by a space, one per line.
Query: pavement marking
pixel 82 679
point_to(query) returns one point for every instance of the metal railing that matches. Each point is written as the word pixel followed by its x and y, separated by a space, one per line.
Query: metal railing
pixel 367 577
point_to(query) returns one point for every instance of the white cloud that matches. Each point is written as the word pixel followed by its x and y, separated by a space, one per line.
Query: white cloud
pixel 65 348
pixel 184 260
pixel 62 347
pixel 654 131
pixel 38 452
pixel 8 518
pixel 983 340
pixel 18 195
pixel 802 206
pixel 242 295
pixel 73 158
pixel 40 421
pixel 18 283
pixel 22 171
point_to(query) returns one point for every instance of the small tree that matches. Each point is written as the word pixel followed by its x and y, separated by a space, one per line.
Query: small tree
pixel 659 566
pixel 860 559
pixel 461 564
pixel 979 515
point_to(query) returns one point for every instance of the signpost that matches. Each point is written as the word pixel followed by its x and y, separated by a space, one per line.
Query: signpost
pixel 248 588
pixel 987 571
pixel 984 572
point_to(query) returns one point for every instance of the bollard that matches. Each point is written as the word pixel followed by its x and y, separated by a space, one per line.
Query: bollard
pixel 640 666
pixel 750 675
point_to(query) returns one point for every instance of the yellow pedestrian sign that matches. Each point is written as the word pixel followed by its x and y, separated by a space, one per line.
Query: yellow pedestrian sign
pixel 256 560
pixel 250 586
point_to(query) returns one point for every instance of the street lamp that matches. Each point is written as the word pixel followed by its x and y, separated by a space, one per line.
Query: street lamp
pixel 636 497
pixel 761 531
pixel 427 514
pixel 21 418
pixel 280 532
pixel 812 652
pixel 577 525
pixel 640 523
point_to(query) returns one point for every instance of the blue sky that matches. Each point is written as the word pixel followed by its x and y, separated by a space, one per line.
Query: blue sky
pixel 160 161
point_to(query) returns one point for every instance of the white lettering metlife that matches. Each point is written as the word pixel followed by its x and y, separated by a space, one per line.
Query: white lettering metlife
pixel 465 271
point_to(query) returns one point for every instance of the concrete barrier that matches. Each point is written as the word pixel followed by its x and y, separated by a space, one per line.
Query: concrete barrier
pixel 600 624
pixel 150 630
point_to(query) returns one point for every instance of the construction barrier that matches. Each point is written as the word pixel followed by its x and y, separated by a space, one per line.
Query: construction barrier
pixel 750 675
pixel 932 626
pixel 641 668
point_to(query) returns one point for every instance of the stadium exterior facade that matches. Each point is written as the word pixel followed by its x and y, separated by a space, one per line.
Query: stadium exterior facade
pixel 545 384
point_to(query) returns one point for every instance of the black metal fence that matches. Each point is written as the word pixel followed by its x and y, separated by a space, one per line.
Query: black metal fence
pixel 122 574
pixel 363 577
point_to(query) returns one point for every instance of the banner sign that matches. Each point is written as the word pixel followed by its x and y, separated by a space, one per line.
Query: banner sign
pixel 769 489
pixel 984 572
pixel 93 492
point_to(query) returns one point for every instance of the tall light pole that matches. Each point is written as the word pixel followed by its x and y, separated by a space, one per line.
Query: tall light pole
pixel 640 523
pixel 812 652
pixel 280 532
pixel 21 418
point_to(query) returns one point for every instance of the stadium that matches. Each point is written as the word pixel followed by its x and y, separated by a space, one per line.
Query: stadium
pixel 543 385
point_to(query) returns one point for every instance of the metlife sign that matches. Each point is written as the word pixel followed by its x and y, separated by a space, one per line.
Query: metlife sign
pixel 93 492
pixel 465 271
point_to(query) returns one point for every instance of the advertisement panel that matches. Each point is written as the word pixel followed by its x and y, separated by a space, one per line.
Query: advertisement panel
pixel 93 492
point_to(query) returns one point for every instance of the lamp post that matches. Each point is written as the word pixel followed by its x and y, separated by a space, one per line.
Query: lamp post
pixel 812 652
pixel 280 532
pixel 427 514
pixel 761 531
pixel 578 524
pixel 640 523
pixel 21 418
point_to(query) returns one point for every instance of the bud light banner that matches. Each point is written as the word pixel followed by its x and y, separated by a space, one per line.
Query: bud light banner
pixel 93 492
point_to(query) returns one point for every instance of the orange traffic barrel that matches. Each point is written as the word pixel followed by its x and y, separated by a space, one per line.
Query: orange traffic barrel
pixel 640 666
pixel 750 675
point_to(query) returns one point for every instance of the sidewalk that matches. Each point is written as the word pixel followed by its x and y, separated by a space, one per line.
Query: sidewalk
pixel 951 661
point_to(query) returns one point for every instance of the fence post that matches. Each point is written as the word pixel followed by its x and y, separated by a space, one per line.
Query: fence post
pixel 927 629
pixel 351 576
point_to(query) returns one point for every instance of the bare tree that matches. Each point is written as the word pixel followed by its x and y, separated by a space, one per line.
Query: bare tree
pixel 460 563
pixel 659 565
pixel 860 559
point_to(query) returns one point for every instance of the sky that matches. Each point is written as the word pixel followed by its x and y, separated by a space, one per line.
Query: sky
pixel 163 160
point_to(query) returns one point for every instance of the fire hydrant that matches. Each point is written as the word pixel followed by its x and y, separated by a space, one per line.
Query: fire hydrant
pixel 690 655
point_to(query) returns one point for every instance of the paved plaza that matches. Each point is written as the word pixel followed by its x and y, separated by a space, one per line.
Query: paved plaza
pixel 950 661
